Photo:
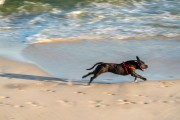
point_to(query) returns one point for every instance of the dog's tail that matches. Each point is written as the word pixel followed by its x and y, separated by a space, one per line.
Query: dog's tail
pixel 94 65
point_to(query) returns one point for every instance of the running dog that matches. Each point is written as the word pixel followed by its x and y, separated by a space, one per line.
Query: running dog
pixel 124 68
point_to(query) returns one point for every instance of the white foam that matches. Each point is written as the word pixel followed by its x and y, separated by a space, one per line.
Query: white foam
pixel 6 28
pixel 77 14
pixel 36 20
pixel 56 11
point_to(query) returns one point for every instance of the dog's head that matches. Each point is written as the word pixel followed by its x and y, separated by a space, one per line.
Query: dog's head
pixel 141 65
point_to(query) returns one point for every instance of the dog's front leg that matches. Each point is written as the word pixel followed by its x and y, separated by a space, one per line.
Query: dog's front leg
pixel 135 79
pixel 137 76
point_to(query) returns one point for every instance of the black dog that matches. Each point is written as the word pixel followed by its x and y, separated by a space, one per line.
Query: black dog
pixel 125 68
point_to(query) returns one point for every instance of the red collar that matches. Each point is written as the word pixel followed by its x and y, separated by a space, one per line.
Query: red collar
pixel 126 67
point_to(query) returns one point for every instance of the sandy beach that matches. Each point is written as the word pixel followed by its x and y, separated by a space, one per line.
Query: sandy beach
pixel 28 93
pixel 46 46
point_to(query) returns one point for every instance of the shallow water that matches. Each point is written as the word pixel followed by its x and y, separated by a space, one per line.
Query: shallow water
pixel 64 38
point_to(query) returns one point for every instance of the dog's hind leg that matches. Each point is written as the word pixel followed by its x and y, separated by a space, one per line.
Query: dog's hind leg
pixel 92 78
pixel 99 70
pixel 87 74
pixel 95 75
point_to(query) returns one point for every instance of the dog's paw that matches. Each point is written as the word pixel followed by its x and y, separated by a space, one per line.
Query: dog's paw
pixel 135 81
pixel 89 84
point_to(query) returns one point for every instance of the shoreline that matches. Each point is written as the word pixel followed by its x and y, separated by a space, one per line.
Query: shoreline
pixel 64 60
pixel 8 64
pixel 27 92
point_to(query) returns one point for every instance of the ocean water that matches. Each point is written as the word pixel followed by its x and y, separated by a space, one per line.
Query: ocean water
pixel 66 37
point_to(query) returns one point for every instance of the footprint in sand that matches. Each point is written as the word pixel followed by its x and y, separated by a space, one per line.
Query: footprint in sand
pixel 11 118
pixel 164 84
pixel 122 102
pixel 171 96
pixel 18 106
pixel 66 103
pixel 19 86
pixel 34 104
pixel 80 93
pixel 4 104
pixel 48 90
pixel 139 95
pixel 4 97
pixel 1 103
pixel 126 102
pixel 142 102
pixel 97 104
pixel 166 101
pixel 110 93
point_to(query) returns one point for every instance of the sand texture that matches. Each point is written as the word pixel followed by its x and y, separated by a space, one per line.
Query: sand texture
pixel 28 93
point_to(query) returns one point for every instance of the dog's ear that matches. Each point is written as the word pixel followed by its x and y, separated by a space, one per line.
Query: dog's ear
pixel 138 59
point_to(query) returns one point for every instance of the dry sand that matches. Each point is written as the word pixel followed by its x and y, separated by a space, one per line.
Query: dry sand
pixel 28 93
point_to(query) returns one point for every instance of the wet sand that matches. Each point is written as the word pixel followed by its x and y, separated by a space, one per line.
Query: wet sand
pixel 28 93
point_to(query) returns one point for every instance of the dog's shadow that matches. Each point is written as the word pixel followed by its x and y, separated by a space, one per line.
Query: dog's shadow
pixel 31 77
pixel 44 78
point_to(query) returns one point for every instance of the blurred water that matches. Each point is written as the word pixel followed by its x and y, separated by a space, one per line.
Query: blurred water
pixel 91 18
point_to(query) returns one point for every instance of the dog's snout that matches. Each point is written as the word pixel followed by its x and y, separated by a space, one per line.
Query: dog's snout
pixel 146 66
